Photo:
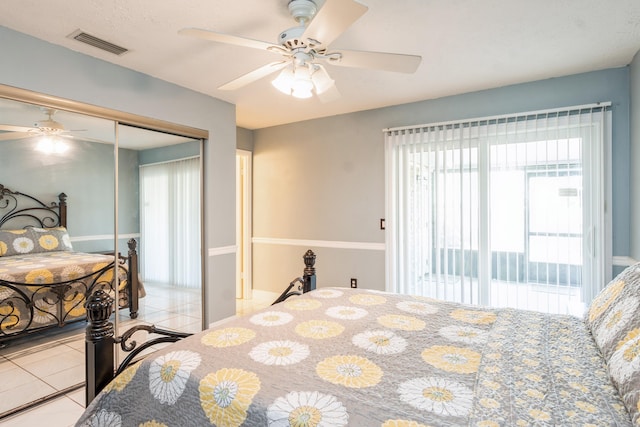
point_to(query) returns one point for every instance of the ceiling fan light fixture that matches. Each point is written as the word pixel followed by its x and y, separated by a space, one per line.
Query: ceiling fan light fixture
pixel 51 144
pixel 302 86
pixel 296 83
pixel 283 81
pixel 302 89
pixel 321 79
pixel 302 81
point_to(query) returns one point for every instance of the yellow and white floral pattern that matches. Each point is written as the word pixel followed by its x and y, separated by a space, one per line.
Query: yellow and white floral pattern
pixel 308 409
pixel 121 381
pixel 604 299
pixel 452 359
pixel 464 334
pixel 319 329
pixel 271 318
pixel 225 396
pixel 34 240
pixel 280 353
pixel 46 298
pixel 346 312
pixel 228 337
pixel 378 359
pixel 302 304
pixel 438 395
pixel 417 307
pixel 349 371
pixel 614 321
pixel 402 322
pixel 328 293
pixel 380 341
pixel 168 374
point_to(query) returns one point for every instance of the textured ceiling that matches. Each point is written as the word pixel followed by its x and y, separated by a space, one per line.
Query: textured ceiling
pixel 466 45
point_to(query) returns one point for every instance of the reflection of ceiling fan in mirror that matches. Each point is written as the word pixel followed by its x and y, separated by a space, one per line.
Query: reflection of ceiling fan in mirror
pixel 305 48
pixel 46 127
pixel 48 131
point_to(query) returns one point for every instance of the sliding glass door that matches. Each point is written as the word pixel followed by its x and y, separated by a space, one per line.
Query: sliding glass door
pixel 503 212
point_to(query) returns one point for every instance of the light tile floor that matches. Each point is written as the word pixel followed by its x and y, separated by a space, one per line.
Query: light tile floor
pixel 26 377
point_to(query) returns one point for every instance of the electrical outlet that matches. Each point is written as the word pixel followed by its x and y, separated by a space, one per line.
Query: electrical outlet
pixel 354 283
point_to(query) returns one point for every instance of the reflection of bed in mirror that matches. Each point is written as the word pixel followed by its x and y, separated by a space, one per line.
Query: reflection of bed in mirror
pixel 44 283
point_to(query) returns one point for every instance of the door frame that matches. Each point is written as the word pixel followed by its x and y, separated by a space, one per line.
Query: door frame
pixel 244 179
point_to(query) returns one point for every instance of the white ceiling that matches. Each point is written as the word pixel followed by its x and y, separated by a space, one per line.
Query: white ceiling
pixel 466 45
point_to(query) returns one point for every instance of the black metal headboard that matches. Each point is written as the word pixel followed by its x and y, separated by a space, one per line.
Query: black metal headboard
pixel 23 210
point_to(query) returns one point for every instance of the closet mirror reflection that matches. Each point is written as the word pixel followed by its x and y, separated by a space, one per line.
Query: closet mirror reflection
pixel 144 181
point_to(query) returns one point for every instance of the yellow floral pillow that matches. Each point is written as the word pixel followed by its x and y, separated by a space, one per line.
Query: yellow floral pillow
pixel 34 240
pixel 15 242
pixel 51 239
pixel 614 320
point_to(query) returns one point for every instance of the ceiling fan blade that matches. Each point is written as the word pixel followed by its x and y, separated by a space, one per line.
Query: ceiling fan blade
pixel 11 128
pixel 333 18
pixel 253 75
pixel 226 38
pixel 9 136
pixel 378 61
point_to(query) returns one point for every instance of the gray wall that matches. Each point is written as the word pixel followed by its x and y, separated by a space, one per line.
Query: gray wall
pixel 78 77
pixel 634 186
pixel 244 139
pixel 128 197
pixel 324 179
pixel 86 177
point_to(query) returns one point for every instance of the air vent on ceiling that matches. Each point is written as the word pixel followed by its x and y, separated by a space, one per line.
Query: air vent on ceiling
pixel 94 41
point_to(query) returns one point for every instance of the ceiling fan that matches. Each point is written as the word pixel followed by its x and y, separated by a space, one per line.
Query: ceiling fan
pixel 305 48
pixel 47 127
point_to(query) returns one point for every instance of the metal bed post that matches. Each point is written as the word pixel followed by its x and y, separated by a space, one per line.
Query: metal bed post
pixel 306 283
pixel 99 344
pixel 132 277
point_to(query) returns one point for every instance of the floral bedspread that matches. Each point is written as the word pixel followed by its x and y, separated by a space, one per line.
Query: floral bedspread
pixel 51 304
pixel 337 356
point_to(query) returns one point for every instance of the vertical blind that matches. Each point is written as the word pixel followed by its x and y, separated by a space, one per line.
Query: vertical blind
pixel 501 211
pixel 170 223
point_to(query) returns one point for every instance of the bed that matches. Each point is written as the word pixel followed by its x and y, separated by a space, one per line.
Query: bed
pixel 342 356
pixel 43 281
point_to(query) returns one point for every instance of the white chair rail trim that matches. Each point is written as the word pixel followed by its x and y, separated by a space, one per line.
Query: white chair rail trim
pixel 320 243
pixel 623 261
pixel 223 250
pixel 104 237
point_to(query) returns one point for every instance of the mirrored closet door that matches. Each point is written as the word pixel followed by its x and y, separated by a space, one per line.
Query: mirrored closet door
pixel 45 152
pixel 136 178
pixel 160 174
